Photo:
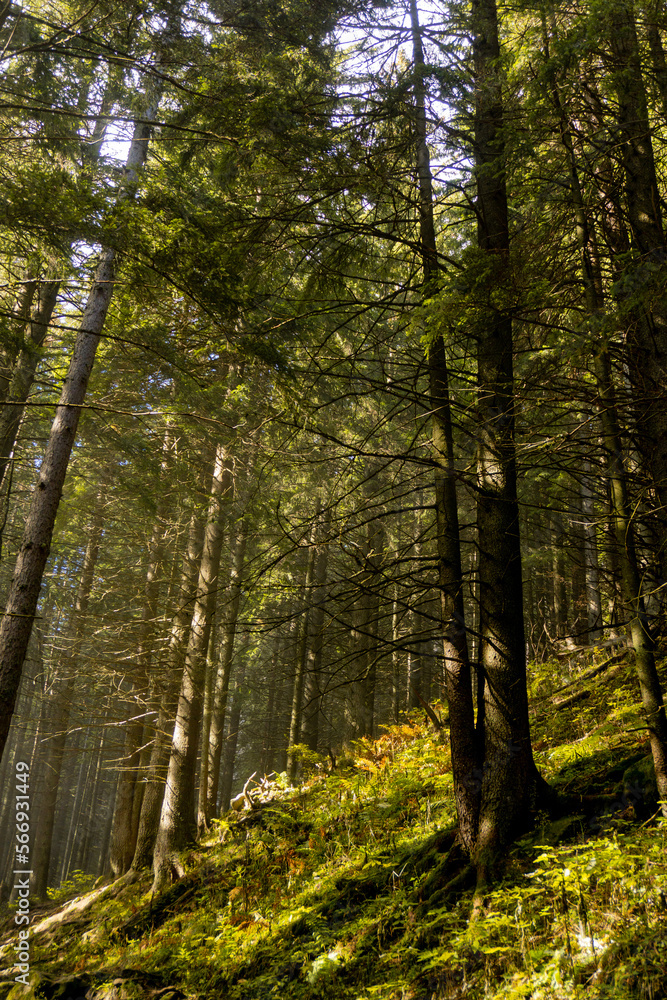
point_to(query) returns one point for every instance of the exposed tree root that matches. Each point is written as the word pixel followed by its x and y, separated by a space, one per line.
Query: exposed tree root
pixel 451 876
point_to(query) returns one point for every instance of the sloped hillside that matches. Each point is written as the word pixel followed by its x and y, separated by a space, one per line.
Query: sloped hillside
pixel 330 889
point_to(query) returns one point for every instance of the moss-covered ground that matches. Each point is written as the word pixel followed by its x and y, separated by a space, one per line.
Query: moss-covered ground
pixel 319 892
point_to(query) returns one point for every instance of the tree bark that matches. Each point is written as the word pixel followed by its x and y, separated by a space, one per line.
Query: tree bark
pixel 177 819
pixel 647 333
pixel 23 374
pixel 210 786
pixel 127 810
pixel 232 740
pixel 14 332
pixel 313 695
pixel 169 674
pixel 465 748
pixel 302 647
pixel 642 640
pixel 47 795
pixel 23 597
pixel 658 63
pixel 509 775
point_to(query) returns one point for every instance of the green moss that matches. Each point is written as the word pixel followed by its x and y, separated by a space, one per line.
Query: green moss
pixel 336 892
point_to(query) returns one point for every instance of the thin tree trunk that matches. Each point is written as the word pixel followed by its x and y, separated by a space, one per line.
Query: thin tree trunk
pixel 17 383
pixel 177 819
pixel 223 674
pixel 23 597
pixel 593 595
pixel 267 744
pixel 232 740
pixel 313 695
pixel 302 646
pixel 375 556
pixel 19 318
pixel 48 792
pixel 126 811
pixel 395 663
pixel 658 62
pixel 169 675
pixel 23 374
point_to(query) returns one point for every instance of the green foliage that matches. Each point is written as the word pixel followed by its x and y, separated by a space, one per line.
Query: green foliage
pixel 314 894
pixel 77 883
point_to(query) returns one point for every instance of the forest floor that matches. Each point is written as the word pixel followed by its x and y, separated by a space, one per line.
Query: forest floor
pixel 316 893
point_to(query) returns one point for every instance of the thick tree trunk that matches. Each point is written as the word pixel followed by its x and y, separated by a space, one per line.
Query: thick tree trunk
pixel 642 640
pixel 465 748
pixel 647 334
pixel 509 775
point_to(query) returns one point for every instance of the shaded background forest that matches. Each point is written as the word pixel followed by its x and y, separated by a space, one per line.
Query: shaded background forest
pixel 261 390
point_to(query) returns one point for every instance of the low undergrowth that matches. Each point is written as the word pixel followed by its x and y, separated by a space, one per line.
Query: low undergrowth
pixel 319 893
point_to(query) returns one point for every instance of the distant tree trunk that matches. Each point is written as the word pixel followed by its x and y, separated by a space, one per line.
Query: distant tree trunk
pixel 126 810
pixel 282 687
pixel 168 680
pixel 82 855
pixel 313 695
pixel 415 664
pixel 302 646
pixel 559 593
pixel 395 663
pixel 232 740
pixel 221 687
pixel 47 795
pixel 177 819
pixel 375 558
pixel 593 595
pixel 82 788
pixel 16 624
